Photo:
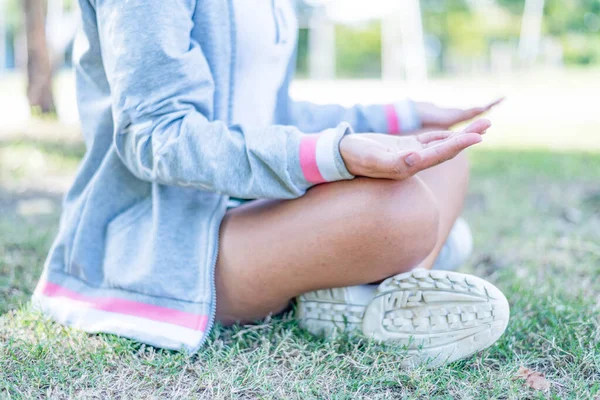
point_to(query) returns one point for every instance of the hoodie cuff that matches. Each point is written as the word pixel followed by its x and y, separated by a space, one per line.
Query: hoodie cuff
pixel 402 117
pixel 319 156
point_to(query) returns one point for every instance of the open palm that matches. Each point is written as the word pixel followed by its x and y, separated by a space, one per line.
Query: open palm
pixel 392 157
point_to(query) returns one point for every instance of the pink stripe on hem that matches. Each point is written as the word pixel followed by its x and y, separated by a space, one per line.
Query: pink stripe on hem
pixel 308 159
pixel 392 119
pixel 129 307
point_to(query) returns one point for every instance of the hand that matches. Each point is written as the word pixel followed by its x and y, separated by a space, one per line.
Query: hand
pixel 393 157
pixel 438 118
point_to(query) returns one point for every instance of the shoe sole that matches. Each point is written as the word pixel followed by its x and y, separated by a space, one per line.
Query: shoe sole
pixel 327 313
pixel 437 316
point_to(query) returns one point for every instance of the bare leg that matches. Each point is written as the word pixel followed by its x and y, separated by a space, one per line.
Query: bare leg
pixel 356 232
pixel 338 234
pixel 449 183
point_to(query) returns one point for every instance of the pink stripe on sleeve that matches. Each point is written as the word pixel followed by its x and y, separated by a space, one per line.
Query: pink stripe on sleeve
pixel 129 307
pixel 308 159
pixel 392 119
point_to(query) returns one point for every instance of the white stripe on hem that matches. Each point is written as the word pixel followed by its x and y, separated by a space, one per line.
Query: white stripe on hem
pixel 326 157
pixel 407 116
pixel 79 315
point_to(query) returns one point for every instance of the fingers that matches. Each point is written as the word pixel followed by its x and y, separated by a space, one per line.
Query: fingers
pixel 478 126
pixel 429 137
pixel 465 115
pixel 400 166
pixel 447 149
pixel 495 103
pixel 476 111
pixel 441 146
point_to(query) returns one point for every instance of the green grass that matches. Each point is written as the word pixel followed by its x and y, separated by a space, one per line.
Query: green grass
pixel 536 218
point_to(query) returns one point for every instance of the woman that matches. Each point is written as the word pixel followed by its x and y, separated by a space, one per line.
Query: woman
pixel 184 105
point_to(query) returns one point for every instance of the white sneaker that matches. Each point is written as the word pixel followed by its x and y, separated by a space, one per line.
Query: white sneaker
pixel 439 316
pixel 457 249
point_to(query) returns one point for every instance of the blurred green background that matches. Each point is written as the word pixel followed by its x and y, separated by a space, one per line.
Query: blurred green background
pixel 457 32
pixel 408 42
pixel 460 33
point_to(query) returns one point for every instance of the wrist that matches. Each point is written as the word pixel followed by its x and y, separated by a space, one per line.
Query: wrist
pixel 320 157
pixel 346 153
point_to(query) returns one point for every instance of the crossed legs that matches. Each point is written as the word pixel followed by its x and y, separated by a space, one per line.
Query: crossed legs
pixel 338 234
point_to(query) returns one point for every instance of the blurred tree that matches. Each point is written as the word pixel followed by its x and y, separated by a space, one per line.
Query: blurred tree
pixel 466 35
pixel 576 23
pixel 13 14
pixel 358 49
pixel 39 70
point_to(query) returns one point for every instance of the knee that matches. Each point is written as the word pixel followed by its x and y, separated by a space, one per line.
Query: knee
pixel 461 168
pixel 421 216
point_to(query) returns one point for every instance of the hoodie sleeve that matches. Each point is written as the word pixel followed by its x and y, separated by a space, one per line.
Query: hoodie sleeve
pixel 163 95
pixel 396 119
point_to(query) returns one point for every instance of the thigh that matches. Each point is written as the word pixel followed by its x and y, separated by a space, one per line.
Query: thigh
pixel 338 234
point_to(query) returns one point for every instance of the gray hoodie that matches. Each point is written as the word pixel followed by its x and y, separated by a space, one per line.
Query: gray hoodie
pixel 138 239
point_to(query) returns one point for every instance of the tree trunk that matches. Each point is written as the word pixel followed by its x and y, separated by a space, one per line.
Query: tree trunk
pixel 39 70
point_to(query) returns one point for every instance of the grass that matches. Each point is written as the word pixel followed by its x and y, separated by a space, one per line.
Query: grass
pixel 536 218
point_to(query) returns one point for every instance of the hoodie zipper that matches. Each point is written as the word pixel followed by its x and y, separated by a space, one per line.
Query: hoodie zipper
pixel 216 229
pixel 276 20
pixel 213 311
pixel 281 31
